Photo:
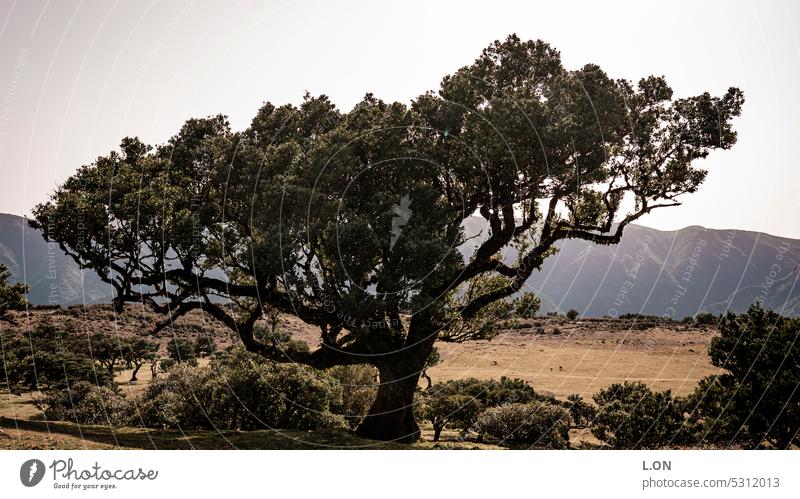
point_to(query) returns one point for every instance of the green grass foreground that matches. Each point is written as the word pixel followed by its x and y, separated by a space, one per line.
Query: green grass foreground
pixel 29 434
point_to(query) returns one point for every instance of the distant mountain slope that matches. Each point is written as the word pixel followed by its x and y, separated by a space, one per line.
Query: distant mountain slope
pixel 53 277
pixel 674 273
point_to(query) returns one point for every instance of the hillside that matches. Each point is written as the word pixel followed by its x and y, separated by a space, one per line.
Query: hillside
pixel 53 277
pixel 668 273
pixel 673 273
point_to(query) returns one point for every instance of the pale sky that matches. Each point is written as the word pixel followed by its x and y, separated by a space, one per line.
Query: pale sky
pixel 77 76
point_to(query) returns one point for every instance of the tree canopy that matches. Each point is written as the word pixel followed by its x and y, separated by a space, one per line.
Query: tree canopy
pixel 354 221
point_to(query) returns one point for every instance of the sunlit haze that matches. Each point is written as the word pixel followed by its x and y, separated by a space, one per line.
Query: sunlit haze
pixel 76 77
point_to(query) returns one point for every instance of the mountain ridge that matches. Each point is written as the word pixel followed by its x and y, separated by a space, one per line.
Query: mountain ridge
pixel 673 273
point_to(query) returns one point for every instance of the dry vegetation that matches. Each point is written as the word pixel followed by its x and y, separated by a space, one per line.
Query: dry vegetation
pixel 564 357
pixel 553 354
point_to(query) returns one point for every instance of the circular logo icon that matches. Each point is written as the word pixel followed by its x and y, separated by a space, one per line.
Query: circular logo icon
pixel 31 472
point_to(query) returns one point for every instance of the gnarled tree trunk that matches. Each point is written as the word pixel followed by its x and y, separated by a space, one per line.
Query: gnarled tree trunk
pixel 391 417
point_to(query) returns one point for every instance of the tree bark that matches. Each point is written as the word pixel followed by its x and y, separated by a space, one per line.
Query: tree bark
pixel 135 372
pixel 437 431
pixel 391 417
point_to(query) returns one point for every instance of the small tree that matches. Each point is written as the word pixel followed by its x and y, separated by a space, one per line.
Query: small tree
pixel 449 403
pixel 580 411
pixel 572 314
pixel 12 296
pixel 181 350
pixel 108 350
pixel 139 351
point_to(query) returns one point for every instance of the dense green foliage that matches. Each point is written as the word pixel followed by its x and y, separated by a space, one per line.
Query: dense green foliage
pixel 581 412
pixel 12 296
pixel 359 387
pixel 181 350
pixel 540 424
pixel 241 393
pixel 457 403
pixel 47 358
pixel 756 401
pixel 632 416
pixel 85 403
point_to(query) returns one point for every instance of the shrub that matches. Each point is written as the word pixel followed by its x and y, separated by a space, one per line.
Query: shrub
pixel 181 350
pixel 537 424
pixel 448 404
pixel 48 358
pixel 242 392
pixel 527 306
pixel 85 403
pixel 457 403
pixel 756 401
pixel 181 398
pixel 581 412
pixel 572 314
pixel 205 346
pixel 359 388
pixel 167 364
pixel 631 416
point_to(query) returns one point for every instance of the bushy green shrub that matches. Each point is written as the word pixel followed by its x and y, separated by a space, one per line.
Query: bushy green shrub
pixel 205 346
pixel 537 424
pixel 85 403
pixel 457 403
pixel 581 412
pixel 572 314
pixel 242 392
pixel 632 416
pixel 48 358
pixel 181 350
pixel 447 404
pixel 527 305
pixel 359 387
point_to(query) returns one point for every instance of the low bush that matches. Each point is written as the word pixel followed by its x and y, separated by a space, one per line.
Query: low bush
pixel 538 424
pixel 48 358
pixel 85 403
pixel 581 412
pixel 632 416
pixel 359 387
pixel 242 392
pixel 457 403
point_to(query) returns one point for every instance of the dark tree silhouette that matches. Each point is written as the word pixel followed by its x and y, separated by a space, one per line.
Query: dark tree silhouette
pixel 354 221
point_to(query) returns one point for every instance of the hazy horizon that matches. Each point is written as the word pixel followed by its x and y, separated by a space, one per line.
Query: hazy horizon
pixel 76 77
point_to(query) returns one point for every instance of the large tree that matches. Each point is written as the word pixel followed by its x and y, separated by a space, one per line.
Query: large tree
pixel 354 221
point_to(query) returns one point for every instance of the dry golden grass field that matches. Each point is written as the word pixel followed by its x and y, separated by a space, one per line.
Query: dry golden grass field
pixel 553 354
